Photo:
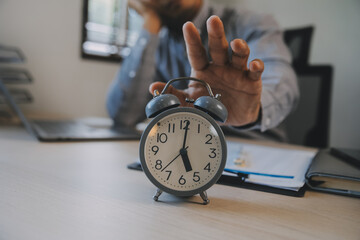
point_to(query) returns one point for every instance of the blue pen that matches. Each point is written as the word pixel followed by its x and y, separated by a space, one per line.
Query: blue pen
pixel 259 174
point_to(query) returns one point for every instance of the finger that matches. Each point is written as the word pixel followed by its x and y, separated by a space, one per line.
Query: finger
pixel 196 90
pixel 142 6
pixel 181 95
pixel 195 50
pixel 136 5
pixel 240 54
pixel 256 68
pixel 218 45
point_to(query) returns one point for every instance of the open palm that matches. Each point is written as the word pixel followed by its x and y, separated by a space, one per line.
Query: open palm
pixel 239 85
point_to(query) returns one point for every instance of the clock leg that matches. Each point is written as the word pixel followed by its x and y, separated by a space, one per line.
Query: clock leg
pixel 157 194
pixel 204 197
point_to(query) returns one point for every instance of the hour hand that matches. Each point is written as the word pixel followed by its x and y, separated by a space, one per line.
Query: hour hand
pixel 185 158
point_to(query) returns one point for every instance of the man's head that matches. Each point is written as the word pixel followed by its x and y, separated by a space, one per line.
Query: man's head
pixel 174 13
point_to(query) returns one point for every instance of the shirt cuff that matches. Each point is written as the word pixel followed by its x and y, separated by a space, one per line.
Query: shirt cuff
pixel 253 125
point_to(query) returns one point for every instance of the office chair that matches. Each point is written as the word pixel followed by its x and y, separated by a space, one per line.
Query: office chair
pixel 308 125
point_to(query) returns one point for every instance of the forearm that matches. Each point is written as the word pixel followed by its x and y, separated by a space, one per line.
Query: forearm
pixel 128 93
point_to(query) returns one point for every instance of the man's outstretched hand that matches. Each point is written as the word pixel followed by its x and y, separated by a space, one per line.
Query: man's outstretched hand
pixel 239 84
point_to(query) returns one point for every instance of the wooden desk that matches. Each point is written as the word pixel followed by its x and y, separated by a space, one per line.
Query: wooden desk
pixel 84 191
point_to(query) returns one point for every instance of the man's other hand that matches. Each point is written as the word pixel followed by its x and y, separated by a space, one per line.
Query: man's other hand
pixel 148 10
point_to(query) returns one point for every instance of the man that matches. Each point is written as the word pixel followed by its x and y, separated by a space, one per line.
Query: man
pixel 257 98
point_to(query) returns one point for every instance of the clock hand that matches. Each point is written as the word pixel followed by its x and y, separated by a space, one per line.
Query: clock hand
pixel 185 135
pixel 172 161
pixel 183 151
pixel 185 158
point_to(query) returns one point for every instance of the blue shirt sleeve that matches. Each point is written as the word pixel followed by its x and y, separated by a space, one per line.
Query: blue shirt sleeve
pixel 128 93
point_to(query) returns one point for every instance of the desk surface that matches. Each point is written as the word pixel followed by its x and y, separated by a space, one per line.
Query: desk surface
pixel 83 190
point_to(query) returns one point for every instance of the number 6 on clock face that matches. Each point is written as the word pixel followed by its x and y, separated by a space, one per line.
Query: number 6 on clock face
pixel 183 151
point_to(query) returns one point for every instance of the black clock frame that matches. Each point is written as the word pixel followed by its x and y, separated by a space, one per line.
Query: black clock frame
pixel 222 142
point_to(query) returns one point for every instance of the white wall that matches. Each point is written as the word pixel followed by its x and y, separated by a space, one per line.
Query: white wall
pixel 48 31
pixel 336 42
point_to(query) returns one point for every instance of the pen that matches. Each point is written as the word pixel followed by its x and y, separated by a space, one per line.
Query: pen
pixel 256 173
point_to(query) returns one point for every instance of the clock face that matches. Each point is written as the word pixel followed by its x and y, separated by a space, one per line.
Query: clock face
pixel 183 151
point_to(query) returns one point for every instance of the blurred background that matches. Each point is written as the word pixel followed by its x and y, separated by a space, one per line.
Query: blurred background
pixel 50 33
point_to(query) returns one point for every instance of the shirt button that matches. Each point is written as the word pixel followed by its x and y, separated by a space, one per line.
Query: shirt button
pixel 142 41
pixel 267 121
pixel 125 51
pixel 132 74
pixel 162 33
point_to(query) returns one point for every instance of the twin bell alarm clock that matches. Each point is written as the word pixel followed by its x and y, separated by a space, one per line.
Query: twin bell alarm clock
pixel 183 149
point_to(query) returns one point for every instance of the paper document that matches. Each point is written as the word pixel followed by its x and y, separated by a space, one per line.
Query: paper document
pixel 271 166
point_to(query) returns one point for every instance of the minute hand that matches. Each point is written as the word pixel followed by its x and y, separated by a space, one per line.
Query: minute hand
pixel 172 161
pixel 185 135
pixel 183 151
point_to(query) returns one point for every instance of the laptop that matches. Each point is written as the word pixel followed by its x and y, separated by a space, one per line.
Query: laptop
pixel 55 131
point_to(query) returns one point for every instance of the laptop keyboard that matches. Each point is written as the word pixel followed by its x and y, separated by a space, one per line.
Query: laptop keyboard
pixel 74 130
pixel 62 127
